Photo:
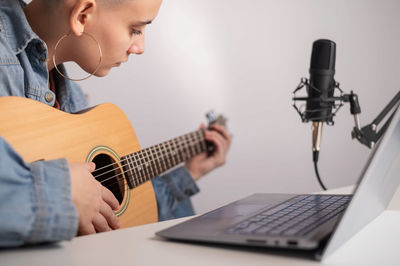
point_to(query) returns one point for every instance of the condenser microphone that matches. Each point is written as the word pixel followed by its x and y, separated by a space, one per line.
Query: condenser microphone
pixel 320 90
pixel 320 100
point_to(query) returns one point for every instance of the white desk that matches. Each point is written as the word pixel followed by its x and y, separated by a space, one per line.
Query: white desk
pixel 376 244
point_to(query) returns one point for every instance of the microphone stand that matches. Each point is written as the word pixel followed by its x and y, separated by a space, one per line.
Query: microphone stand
pixel 368 135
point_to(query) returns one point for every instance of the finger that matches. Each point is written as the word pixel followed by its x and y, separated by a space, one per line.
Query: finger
pixel 217 140
pixel 214 136
pixel 227 137
pixel 86 229
pixel 110 216
pixel 222 130
pixel 100 223
pixel 109 197
pixel 202 126
pixel 91 166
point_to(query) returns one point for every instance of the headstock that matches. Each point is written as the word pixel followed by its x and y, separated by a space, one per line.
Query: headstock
pixel 214 119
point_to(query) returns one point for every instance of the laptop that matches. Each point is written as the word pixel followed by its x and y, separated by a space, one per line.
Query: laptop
pixel 315 223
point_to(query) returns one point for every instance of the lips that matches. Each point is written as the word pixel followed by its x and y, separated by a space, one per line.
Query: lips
pixel 119 63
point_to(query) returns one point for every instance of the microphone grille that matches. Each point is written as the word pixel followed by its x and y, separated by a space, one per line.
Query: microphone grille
pixel 323 55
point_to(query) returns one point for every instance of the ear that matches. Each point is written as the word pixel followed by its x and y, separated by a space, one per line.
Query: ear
pixel 82 11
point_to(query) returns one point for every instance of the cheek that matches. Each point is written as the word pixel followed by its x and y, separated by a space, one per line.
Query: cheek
pixel 86 53
pixel 115 48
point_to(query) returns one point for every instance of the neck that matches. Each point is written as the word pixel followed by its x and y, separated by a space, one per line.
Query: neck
pixel 40 17
pixel 143 165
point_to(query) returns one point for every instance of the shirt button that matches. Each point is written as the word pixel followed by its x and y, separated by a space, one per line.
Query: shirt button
pixel 48 97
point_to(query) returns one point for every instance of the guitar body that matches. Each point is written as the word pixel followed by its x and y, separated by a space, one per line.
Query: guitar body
pixel 102 134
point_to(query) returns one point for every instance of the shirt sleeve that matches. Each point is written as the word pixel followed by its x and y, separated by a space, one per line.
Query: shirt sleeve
pixel 35 200
pixel 173 191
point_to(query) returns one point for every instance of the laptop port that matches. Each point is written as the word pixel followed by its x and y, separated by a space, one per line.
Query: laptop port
pixel 292 242
pixel 256 241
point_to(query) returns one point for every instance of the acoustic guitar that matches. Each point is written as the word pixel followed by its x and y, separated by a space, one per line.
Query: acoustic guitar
pixel 103 135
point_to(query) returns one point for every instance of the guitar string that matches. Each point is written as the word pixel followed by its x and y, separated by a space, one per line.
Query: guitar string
pixel 145 165
pixel 185 144
pixel 184 138
pixel 138 181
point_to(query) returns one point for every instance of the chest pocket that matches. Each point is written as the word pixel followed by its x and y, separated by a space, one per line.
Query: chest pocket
pixel 7 56
pixel 11 73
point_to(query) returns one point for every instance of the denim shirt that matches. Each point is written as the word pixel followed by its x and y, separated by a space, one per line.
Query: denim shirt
pixel 35 198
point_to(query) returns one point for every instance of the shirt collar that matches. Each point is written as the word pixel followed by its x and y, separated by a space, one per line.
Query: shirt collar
pixel 15 25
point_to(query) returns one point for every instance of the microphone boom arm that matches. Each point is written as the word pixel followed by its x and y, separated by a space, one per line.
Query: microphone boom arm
pixel 368 135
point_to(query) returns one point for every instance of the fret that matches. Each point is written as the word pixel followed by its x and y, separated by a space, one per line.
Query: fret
pixel 159 163
pixel 135 169
pixel 143 161
pixel 190 147
pixel 195 144
pixel 162 158
pixel 203 142
pixel 178 151
pixel 151 163
pixel 146 167
pixel 145 164
pixel 184 148
pixel 139 167
pixel 166 157
pixel 128 159
pixel 171 153
pixel 127 171
pixel 175 152
pixel 199 141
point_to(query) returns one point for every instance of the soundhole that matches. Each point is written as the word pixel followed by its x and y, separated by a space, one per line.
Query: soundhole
pixel 109 174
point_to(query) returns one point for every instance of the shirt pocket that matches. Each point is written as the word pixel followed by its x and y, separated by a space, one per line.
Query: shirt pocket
pixel 11 73
pixel 7 55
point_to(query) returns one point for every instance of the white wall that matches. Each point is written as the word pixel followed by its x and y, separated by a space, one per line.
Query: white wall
pixel 244 58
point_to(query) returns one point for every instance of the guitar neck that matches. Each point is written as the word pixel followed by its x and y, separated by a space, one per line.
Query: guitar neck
pixel 148 163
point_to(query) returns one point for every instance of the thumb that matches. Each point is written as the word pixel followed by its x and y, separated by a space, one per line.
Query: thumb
pixel 91 166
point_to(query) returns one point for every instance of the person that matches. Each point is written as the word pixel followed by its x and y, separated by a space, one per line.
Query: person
pixel 54 200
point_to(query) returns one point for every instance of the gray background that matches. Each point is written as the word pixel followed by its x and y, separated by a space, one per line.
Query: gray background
pixel 244 59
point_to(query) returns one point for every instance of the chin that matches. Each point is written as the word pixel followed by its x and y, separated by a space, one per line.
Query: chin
pixel 102 72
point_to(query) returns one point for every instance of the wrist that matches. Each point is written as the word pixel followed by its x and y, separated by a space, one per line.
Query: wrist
pixel 193 171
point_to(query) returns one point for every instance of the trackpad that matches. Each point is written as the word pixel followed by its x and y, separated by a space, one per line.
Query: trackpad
pixel 235 210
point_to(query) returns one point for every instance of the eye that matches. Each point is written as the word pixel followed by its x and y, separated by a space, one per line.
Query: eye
pixel 136 32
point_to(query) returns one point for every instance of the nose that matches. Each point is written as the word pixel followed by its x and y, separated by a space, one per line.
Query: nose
pixel 137 46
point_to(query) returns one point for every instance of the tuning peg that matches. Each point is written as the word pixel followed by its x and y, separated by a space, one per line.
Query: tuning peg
pixel 211 117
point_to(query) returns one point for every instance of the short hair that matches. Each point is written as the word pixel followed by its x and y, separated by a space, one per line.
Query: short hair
pixel 53 3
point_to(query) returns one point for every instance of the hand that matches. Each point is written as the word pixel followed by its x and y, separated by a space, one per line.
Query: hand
pixel 203 163
pixel 94 202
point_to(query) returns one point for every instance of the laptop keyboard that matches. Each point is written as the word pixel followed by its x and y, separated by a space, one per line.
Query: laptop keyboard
pixel 297 216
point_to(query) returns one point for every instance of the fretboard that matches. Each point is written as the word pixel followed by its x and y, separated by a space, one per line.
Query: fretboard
pixel 145 164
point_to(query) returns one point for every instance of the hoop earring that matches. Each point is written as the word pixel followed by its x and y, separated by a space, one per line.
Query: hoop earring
pixel 65 76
